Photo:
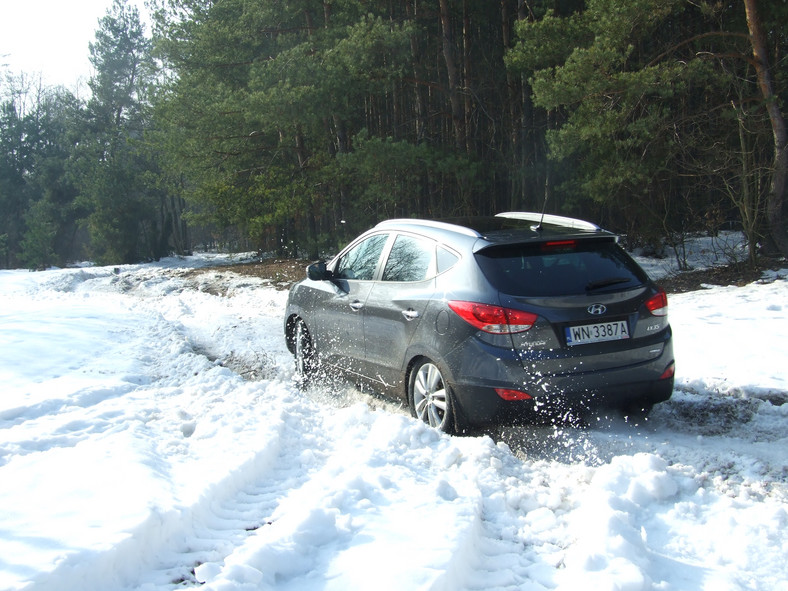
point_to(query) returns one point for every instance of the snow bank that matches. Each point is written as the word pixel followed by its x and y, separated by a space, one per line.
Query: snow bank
pixel 152 437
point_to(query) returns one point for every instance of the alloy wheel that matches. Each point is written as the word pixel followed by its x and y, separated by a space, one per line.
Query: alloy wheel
pixel 430 396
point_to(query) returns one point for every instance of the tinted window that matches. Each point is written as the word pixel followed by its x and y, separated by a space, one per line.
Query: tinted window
pixel 571 269
pixel 361 261
pixel 409 260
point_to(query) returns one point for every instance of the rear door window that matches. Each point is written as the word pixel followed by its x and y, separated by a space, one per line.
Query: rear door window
pixel 410 259
pixel 565 268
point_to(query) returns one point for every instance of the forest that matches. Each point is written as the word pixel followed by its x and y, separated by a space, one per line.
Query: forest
pixel 289 126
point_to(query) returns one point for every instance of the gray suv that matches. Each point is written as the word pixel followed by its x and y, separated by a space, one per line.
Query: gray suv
pixel 486 320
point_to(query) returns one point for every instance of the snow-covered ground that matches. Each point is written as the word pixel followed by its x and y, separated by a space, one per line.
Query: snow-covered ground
pixel 151 437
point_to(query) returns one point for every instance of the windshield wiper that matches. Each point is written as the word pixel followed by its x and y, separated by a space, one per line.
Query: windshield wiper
pixel 602 283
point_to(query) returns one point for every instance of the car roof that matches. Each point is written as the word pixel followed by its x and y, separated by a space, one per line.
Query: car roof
pixel 504 228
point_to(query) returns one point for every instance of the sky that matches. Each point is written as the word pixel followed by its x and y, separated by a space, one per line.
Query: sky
pixel 50 37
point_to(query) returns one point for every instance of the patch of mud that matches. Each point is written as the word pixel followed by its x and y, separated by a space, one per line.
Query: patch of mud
pixel 707 415
pixel 252 367
pixel 738 275
pixel 280 273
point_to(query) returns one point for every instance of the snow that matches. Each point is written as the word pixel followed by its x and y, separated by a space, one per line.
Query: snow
pixel 152 437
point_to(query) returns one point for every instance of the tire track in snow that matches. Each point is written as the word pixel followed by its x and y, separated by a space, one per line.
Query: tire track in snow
pixel 221 523
pixel 518 540
pixel 163 551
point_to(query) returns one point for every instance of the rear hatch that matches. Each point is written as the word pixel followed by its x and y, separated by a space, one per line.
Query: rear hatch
pixel 592 300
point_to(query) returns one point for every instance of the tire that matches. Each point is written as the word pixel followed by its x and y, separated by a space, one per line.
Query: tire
pixel 304 352
pixel 637 412
pixel 430 398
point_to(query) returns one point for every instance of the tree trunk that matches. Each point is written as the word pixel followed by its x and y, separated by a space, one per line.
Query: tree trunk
pixel 310 214
pixel 466 75
pixel 419 101
pixel 774 205
pixel 457 115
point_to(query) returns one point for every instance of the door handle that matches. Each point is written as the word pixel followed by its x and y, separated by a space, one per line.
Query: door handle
pixel 356 305
pixel 410 314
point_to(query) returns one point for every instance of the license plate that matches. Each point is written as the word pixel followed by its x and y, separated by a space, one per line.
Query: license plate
pixel 597 333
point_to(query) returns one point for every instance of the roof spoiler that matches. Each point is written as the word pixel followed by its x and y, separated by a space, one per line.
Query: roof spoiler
pixel 546 218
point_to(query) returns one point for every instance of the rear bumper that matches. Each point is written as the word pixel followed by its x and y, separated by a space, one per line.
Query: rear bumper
pixel 578 392
pixel 480 405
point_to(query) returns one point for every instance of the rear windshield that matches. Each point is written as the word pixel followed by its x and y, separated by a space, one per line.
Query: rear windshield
pixel 561 268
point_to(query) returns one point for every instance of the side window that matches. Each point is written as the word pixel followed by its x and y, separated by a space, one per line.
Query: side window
pixel 361 261
pixel 446 259
pixel 410 259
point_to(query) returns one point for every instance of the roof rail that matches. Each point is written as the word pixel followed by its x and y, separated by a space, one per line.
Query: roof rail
pixel 556 220
pixel 431 224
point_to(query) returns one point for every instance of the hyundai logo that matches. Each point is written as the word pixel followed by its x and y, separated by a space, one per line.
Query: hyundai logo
pixel 597 309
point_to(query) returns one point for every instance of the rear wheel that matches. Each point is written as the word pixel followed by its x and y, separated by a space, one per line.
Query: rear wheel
pixel 430 397
pixel 637 412
pixel 304 351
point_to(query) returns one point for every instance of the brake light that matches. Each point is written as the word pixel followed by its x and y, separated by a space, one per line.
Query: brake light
pixel 510 394
pixel 493 319
pixel 658 303
pixel 559 244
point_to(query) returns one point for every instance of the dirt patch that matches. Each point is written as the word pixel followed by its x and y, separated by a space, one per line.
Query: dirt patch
pixel 279 271
pixel 738 275
pixel 284 272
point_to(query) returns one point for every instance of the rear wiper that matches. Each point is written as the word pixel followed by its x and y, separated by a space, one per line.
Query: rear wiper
pixel 594 285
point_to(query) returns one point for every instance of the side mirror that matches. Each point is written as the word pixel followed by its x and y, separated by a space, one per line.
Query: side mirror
pixel 318 272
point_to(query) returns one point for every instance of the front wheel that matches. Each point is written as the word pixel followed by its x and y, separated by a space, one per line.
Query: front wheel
pixel 304 351
pixel 430 397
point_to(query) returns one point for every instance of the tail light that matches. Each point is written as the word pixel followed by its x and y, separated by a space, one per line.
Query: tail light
pixel 658 303
pixel 493 319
